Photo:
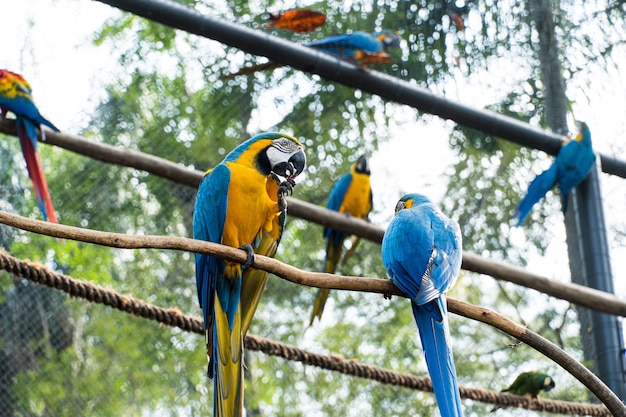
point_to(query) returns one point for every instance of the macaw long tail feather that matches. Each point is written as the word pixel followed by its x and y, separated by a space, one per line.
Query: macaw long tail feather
pixel 536 190
pixel 227 358
pixel 333 253
pixel 36 174
pixel 432 323
pixel 355 241
pixel 318 306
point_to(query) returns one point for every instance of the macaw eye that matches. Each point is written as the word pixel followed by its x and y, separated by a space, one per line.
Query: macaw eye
pixel 400 206
pixel 284 142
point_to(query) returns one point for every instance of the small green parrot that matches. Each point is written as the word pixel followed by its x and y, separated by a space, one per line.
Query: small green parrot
pixel 530 383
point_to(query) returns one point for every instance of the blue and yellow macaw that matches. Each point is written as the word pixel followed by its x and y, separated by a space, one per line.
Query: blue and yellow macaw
pixel 360 48
pixel 240 203
pixel 422 252
pixel 352 195
pixel 16 97
pixel 570 167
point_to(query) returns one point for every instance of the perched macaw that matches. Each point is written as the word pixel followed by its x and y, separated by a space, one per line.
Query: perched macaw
pixel 421 251
pixel 352 195
pixel 297 20
pixel 358 47
pixel 530 383
pixel 240 203
pixel 16 97
pixel 570 167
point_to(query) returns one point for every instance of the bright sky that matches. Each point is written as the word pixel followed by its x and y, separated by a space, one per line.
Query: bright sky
pixel 48 41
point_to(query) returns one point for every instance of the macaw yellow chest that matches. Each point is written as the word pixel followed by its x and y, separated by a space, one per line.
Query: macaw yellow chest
pixel 250 208
pixel 357 199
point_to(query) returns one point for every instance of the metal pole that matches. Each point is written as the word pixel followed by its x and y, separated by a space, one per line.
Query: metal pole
pixel 590 266
pixel 388 87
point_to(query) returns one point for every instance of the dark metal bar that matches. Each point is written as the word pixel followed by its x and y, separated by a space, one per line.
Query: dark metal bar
pixel 388 87
pixel 590 265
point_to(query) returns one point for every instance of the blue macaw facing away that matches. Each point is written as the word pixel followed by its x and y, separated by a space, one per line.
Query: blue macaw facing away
pixel 570 167
pixel 422 252
pixel 352 195
pixel 361 48
pixel 240 203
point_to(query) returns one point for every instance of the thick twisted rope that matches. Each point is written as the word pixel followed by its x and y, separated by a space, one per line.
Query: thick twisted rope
pixel 173 317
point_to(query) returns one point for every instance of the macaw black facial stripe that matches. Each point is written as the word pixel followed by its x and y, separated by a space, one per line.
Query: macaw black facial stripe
pixel 263 163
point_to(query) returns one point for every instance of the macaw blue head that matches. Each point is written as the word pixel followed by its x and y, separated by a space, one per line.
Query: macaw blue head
pixel 411 200
pixel 389 39
pixel 584 134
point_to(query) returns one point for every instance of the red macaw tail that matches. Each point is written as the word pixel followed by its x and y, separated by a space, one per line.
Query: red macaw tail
pixel 36 174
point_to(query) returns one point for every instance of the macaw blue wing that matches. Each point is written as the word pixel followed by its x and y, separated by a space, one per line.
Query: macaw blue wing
pixel 208 225
pixel 421 252
pixel 410 229
pixel 335 199
pixel 334 243
pixel 570 167
pixel 536 190
pixel 346 45
pixel 574 162
pixel 447 254
pixel 22 106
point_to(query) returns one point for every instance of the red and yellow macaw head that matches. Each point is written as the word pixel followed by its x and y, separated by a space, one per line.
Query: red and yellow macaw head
pixel 13 84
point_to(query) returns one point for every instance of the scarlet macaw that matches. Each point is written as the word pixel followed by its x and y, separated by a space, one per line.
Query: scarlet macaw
pixel 297 20
pixel 421 251
pixel 240 203
pixel 530 383
pixel 16 97
pixel 361 48
pixel 352 195
pixel 570 167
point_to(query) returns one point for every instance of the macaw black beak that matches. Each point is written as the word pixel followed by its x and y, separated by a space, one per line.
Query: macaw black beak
pixel 291 168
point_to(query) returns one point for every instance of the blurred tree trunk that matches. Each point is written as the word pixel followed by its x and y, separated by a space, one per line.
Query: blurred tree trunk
pixel 556 114
pixel 556 106
pixel 550 65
